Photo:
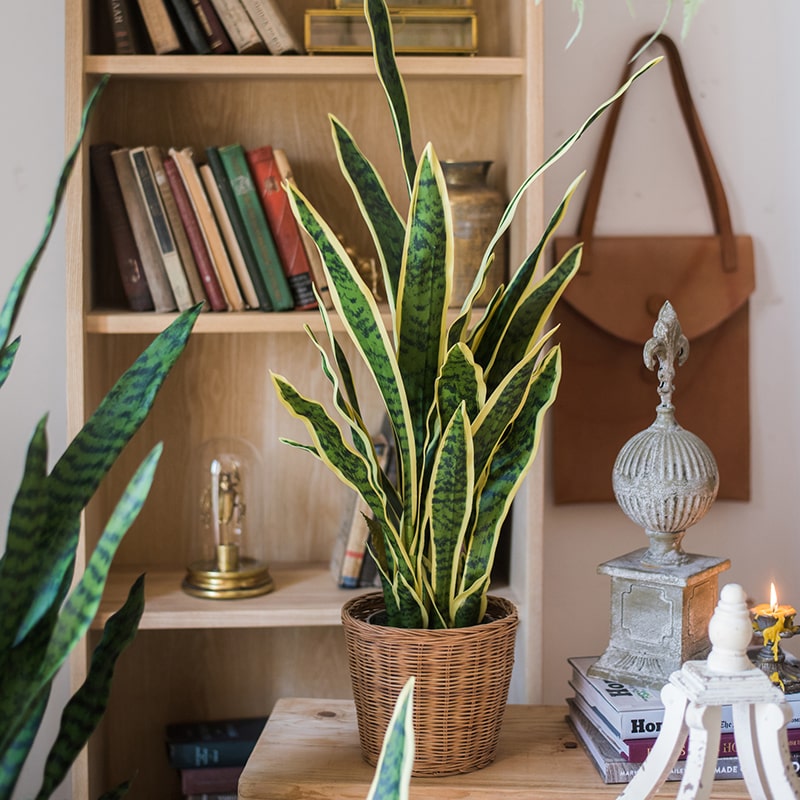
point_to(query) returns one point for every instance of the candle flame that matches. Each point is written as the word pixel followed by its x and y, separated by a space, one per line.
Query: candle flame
pixel 773 597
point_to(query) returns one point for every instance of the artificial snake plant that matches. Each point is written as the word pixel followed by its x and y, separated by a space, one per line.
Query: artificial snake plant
pixel 465 399
pixel 46 609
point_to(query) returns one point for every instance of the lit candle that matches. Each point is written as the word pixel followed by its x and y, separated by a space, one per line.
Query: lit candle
pixel 773 620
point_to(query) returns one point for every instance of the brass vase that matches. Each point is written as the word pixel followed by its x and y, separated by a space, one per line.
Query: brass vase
pixel 477 209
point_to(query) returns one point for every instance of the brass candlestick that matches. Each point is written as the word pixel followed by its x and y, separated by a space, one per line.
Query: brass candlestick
pixel 771 623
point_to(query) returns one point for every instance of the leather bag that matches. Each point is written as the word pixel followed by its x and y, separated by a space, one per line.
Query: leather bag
pixel 607 315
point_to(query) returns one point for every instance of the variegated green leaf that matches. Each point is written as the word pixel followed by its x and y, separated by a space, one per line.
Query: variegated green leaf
pixel 385 224
pixel 15 751
pixel 424 292
pixel 386 66
pixel 507 470
pixel 84 710
pixel 450 505
pixel 461 380
pixel 393 772
pixel 7 355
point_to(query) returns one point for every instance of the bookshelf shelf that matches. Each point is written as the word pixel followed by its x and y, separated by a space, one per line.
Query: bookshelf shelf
pixel 198 658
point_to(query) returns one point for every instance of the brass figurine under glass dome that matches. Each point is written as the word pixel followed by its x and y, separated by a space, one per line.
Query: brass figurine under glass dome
pixel 226 505
pixel 665 479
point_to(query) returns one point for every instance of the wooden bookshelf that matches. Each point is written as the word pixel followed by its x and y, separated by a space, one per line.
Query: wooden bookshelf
pixel 201 658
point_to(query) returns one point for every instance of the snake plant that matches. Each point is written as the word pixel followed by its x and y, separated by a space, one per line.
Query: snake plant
pixel 466 398
pixel 43 618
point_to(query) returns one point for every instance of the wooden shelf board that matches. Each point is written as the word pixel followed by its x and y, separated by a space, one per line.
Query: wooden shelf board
pixel 304 595
pixel 351 66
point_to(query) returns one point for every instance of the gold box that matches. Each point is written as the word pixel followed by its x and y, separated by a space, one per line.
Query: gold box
pixel 440 31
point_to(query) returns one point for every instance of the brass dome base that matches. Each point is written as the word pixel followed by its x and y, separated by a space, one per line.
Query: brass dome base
pixel 204 579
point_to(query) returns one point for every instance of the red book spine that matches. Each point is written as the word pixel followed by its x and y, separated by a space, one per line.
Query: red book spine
pixel 275 202
pixel 205 268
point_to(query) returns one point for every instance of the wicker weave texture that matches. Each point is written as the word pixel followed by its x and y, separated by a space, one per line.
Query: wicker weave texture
pixel 462 679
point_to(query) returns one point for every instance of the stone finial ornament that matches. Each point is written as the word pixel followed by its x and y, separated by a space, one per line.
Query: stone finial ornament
pixel 665 478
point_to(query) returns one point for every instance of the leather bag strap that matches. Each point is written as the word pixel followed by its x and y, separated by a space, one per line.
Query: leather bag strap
pixel 711 180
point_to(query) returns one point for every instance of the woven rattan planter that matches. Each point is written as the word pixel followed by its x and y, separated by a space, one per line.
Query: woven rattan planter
pixel 462 678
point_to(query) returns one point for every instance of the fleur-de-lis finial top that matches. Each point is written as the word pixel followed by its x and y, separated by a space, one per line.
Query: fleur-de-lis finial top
pixel 667 345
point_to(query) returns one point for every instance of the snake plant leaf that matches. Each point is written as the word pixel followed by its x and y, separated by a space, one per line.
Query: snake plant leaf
pixel 508 468
pixel 13 755
pixel 7 355
pixel 85 708
pixel 531 315
pixel 460 380
pixel 361 317
pixel 84 600
pixel 384 222
pixel 484 339
pixel 393 772
pixel 77 474
pixel 450 506
pixel 424 294
pixel 118 792
pixel 13 303
pixel 386 66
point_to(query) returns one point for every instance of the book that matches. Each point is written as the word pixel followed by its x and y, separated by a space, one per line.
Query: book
pixel 212 796
pixel 205 267
pixel 160 29
pixel 312 251
pixel 129 263
pixel 638 749
pixel 272 27
pixel 156 158
pixel 205 780
pixel 184 158
pixel 285 233
pixel 153 266
pixel 219 42
pixel 239 27
pixel 634 712
pixel 237 223
pixel 255 223
pixel 124 27
pixel 159 224
pixel 222 743
pixel 190 25
pixel 229 237
pixel 613 768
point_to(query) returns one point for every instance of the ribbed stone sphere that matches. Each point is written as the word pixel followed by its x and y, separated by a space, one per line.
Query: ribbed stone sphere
pixel 665 478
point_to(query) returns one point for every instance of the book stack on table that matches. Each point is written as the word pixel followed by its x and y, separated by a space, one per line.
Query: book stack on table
pixel 618 725
pixel 210 756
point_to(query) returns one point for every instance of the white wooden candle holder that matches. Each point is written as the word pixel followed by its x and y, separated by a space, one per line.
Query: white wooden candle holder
pixel 693 701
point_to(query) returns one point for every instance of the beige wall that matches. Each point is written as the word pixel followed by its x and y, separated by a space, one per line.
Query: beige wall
pixel 741 65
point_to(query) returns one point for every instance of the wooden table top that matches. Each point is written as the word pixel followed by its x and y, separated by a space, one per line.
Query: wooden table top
pixel 309 749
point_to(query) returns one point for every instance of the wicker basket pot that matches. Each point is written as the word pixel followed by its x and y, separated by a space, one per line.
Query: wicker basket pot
pixel 462 679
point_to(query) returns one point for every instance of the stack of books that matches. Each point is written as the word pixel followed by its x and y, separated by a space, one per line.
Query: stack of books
pixel 618 725
pixel 202 27
pixel 218 231
pixel 210 756
pixel 434 27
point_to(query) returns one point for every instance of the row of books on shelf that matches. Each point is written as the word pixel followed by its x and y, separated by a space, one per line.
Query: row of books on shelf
pixel 202 27
pixel 219 232
pixel 211 755
pixel 618 725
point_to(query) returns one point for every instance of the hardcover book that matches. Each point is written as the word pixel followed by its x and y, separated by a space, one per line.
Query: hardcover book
pixel 124 27
pixel 190 26
pixel 239 27
pixel 129 264
pixel 272 26
pixel 207 780
pixel 156 158
pixel 221 743
pixel 255 223
pixel 312 253
pixel 205 267
pixel 159 224
pixel 237 223
pixel 153 266
pixel 184 158
pixel 278 211
pixel 160 29
pixel 217 39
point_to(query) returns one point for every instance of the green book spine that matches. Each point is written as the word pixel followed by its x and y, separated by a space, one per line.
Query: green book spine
pixel 255 223
pixel 229 199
